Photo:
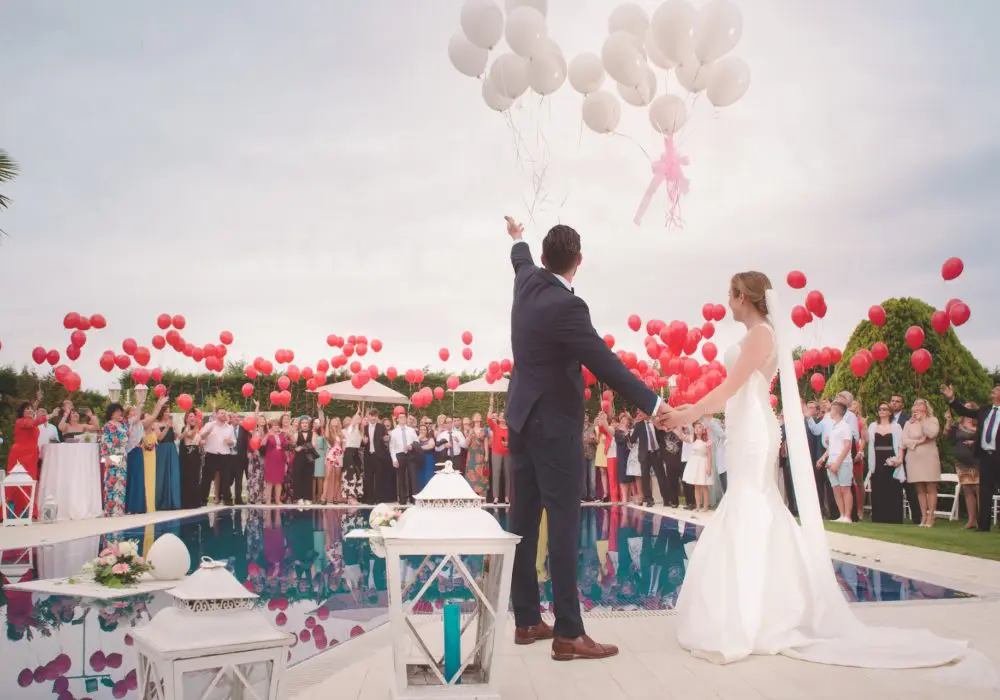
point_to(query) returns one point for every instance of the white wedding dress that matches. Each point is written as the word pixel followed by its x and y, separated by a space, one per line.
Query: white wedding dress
pixel 758 583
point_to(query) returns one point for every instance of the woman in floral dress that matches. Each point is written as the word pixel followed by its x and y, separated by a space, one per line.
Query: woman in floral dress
pixel 114 443
pixel 476 469
pixel 334 462
pixel 255 464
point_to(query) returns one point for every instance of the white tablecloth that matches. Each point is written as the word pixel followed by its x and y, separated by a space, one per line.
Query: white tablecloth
pixel 71 474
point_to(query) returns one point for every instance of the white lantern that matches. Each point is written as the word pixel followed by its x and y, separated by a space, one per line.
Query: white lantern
pixel 114 393
pixel 50 510
pixel 17 482
pixel 211 644
pixel 447 524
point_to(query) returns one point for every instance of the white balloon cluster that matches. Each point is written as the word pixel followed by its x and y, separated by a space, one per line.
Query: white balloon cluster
pixel 692 43
pixel 534 61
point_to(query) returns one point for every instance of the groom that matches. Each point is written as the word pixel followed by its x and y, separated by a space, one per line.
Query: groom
pixel 552 336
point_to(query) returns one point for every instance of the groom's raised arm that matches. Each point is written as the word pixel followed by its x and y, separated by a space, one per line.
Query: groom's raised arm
pixel 576 331
pixel 520 256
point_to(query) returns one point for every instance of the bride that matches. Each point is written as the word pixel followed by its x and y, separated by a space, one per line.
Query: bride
pixel 757 582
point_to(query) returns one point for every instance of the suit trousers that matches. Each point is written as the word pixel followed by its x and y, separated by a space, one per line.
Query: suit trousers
pixel 547 474
pixel 370 468
pixel 232 480
pixel 214 465
pixel 989 480
pixel 654 464
pixel 501 477
pixel 385 480
pixel 406 476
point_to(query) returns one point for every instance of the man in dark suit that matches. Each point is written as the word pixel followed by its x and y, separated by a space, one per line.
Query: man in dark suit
pixel 379 477
pixel 239 460
pixel 650 443
pixel 900 417
pixel 552 338
pixel 987 440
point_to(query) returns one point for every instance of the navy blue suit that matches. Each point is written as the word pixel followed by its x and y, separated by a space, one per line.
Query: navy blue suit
pixel 551 338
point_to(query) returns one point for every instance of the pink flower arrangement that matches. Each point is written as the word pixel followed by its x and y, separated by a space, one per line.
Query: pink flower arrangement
pixel 120 569
pixel 118 565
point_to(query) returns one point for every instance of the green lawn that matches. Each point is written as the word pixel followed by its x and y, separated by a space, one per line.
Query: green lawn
pixel 946 536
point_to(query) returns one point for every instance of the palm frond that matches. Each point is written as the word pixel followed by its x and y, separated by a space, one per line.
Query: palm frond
pixel 8 171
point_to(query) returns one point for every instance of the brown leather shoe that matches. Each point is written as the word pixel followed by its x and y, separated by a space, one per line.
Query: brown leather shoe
pixel 583 647
pixel 530 635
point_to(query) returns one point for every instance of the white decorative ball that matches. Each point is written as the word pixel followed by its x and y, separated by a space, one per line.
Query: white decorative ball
pixel 169 557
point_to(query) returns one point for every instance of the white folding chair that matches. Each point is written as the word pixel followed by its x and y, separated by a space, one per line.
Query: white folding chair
pixel 996 508
pixel 955 496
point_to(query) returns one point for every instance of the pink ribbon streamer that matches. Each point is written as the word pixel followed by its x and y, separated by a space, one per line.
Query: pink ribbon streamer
pixel 668 170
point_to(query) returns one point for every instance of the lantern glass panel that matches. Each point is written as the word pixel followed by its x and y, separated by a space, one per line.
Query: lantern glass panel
pixel 247 680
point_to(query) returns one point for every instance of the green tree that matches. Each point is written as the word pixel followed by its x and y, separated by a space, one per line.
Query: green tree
pixel 8 171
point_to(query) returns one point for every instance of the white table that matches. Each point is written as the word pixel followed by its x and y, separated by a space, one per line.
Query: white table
pixel 71 474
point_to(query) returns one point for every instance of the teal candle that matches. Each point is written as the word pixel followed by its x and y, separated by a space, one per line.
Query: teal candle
pixel 452 639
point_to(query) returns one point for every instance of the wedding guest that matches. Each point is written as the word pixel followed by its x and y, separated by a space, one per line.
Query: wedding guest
pixel 288 485
pixel 319 466
pixel 114 442
pixel 190 462
pixel 426 437
pixel 135 462
pixel 333 484
pixel 501 455
pixel 687 490
pixel 24 451
pixel 377 464
pixel 275 464
pixel 218 440
pixel 698 470
pixel 646 439
pixel 963 435
pixel 900 417
pixel 168 468
pixel 72 429
pixel 838 459
pixel 885 452
pixel 923 462
pixel 255 463
pixel 48 433
pixel 450 442
pixel 239 459
pixel 477 468
pixel 604 439
pixel 463 425
pixel 717 432
pixel 304 462
pixel 614 489
pixel 150 439
pixel 623 449
pixel 589 460
pixel 352 489
pixel 407 457
pixel 987 434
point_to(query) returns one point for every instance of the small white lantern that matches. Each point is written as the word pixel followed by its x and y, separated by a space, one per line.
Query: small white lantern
pixel 17 482
pixel 447 523
pixel 50 510
pixel 211 644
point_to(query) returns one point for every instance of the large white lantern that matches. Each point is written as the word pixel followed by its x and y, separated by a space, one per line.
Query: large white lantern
pixel 212 644
pixel 18 485
pixel 430 657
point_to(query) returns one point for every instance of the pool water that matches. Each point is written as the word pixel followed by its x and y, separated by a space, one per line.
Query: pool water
pixel 324 588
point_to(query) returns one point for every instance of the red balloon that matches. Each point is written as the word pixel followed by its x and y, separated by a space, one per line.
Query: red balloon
pixel 951 269
pixel 372 372
pixel 915 337
pixel 71 320
pixel 286 397
pixel 466 337
pixel 921 360
pixel 800 369
pixel 348 350
pixel 859 365
pixel 960 313
pixel 160 391
pixel 197 354
pixel 84 324
pixel 251 372
pixel 816 303
pixel 284 382
pixel 817 382
pixel 391 373
pixel 52 356
pixel 376 345
pixel 355 367
pixel 796 280
pixel 720 313
pixel 73 352
pixel 178 322
pixel 249 423
pixel 452 382
pixel 467 354
pixel 107 362
pixel 184 402
pixel 38 355
pixel 129 345
pixel 247 390
pixel 444 354
pixel 159 342
pixel 708 330
pixel 163 321
pixel 800 316
pixel 255 443
pixel 438 393
pixel 506 365
pixel 609 340
pixel 78 339
pixel 361 349
pixel 940 322
pixel 774 401
pixel 71 381
pixel 359 380
pixel 709 351
pixel 876 315
pixel 142 355
pixel 275 398
pixel 880 351
pixel 331 340
pixel 226 337
pixel 634 322
pixel 324 398
pixel 708 312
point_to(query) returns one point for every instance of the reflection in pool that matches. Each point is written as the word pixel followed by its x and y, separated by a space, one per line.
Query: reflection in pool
pixel 323 588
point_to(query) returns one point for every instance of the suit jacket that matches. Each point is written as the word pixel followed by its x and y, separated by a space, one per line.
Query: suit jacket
pixel 552 336
pixel 242 443
pixel 381 446
pixel 981 415
pixel 640 438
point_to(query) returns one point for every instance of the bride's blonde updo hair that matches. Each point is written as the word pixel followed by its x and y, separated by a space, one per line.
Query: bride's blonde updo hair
pixel 751 286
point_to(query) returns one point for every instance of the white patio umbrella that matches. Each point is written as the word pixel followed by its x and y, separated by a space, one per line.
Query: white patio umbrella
pixel 372 392
pixel 482 386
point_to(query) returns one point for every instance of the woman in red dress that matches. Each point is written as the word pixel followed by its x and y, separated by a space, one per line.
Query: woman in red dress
pixel 24 451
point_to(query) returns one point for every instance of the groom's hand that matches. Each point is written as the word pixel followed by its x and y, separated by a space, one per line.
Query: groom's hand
pixel 662 415
pixel 514 229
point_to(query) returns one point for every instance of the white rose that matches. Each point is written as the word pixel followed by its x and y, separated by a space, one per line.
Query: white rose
pixel 128 549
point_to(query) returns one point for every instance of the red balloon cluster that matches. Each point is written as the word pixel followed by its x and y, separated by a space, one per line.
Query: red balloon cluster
pixel 958 312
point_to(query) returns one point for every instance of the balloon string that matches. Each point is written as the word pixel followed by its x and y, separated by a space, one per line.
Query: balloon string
pixel 635 143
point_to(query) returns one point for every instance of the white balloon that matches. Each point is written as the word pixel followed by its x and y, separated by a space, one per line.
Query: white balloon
pixel 547 71
pixel 728 82
pixel 467 58
pixel 493 99
pixel 629 17
pixel 601 112
pixel 622 60
pixel 169 557
pixel 586 73
pixel 643 94
pixel 540 5
pixel 720 27
pixel 509 75
pixel 482 22
pixel 525 29
pixel 654 54
pixel 693 75
pixel 673 26
pixel 667 114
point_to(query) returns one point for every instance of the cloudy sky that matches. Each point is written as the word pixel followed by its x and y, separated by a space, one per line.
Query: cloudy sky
pixel 290 170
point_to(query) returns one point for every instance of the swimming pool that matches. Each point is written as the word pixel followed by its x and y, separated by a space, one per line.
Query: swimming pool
pixel 325 588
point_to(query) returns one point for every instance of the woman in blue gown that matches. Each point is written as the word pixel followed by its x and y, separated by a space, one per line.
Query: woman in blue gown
pixel 427 444
pixel 135 478
pixel 168 463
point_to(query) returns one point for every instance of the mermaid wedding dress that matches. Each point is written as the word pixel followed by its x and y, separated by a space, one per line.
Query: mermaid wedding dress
pixel 758 582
